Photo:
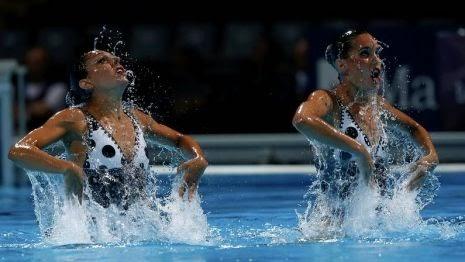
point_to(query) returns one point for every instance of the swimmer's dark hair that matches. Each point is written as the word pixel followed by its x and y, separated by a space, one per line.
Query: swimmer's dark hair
pixel 77 95
pixel 340 47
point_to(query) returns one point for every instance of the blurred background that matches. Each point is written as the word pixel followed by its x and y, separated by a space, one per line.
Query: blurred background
pixel 229 74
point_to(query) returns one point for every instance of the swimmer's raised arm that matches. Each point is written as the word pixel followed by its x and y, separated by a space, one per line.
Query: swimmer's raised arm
pixel 196 162
pixel 28 151
pixel 309 120
pixel 430 160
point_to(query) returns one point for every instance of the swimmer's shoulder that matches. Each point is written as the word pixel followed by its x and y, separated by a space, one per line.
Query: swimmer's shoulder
pixel 144 118
pixel 72 118
pixel 322 97
pixel 382 101
pixel 385 104
pixel 389 110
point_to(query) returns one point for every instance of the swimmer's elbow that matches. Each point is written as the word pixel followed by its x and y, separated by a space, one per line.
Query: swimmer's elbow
pixel 203 163
pixel 434 160
pixel 14 153
pixel 11 154
pixel 18 151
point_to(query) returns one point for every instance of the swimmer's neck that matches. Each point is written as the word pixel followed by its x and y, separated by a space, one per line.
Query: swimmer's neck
pixel 106 105
pixel 358 95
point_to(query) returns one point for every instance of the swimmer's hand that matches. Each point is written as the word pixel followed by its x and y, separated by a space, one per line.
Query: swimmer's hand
pixel 419 170
pixel 74 177
pixel 193 170
pixel 74 171
pixel 365 165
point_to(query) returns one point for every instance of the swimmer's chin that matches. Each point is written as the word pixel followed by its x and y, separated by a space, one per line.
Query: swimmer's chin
pixel 122 77
pixel 122 82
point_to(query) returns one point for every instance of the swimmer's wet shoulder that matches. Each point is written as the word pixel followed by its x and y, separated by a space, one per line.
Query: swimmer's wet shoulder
pixel 68 124
pixel 319 104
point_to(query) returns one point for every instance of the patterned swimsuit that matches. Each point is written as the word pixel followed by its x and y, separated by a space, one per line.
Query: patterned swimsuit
pixel 111 177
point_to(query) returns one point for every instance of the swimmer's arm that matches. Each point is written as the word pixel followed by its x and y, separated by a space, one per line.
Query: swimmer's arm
pixel 170 138
pixel 419 133
pixel 308 120
pixel 192 169
pixel 27 152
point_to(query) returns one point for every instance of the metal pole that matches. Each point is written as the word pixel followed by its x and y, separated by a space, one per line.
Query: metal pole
pixel 6 120
pixel 21 73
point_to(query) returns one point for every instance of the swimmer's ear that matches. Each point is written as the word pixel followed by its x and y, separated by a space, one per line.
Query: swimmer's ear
pixel 341 65
pixel 85 84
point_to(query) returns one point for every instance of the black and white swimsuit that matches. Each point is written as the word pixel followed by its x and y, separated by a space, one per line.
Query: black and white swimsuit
pixel 111 177
pixel 337 169
pixel 349 126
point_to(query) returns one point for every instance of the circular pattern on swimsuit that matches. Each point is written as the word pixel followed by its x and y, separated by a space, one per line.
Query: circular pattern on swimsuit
pixel 352 132
pixel 108 151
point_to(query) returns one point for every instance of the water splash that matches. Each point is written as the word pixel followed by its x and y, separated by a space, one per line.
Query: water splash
pixel 100 36
pixel 110 40
pixel 370 215
pixel 116 46
pixel 63 220
pixel 131 78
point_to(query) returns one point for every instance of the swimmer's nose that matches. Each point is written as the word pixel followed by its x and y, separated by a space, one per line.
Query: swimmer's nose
pixel 377 61
pixel 120 69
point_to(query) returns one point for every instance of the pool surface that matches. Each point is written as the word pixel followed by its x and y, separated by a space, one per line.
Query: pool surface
pixel 252 218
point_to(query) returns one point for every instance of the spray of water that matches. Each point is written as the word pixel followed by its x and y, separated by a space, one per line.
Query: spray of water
pixel 367 213
pixel 112 40
pixel 116 46
pixel 63 220
pixel 131 78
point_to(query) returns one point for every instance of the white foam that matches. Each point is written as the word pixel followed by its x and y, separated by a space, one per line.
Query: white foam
pixel 64 220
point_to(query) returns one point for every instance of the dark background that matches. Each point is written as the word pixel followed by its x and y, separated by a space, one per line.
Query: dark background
pixel 230 67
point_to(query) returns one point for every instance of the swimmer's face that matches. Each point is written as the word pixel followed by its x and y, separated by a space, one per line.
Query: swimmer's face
pixel 363 67
pixel 104 70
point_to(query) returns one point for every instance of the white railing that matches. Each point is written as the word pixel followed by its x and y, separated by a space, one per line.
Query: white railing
pixel 294 149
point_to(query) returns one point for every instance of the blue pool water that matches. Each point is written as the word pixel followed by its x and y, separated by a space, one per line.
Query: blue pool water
pixel 251 218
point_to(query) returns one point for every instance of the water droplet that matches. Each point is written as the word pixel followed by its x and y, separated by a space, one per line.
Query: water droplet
pixel 131 77
pixel 116 45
